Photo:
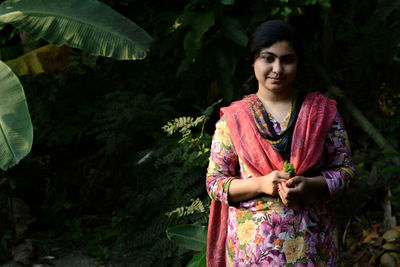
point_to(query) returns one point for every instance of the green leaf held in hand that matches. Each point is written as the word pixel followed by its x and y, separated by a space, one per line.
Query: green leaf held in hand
pixel 289 168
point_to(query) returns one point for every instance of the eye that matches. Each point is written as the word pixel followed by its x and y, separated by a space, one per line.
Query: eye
pixel 288 60
pixel 268 59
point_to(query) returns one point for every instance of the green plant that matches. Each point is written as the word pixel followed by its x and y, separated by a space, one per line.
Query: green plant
pixel 176 166
pixel 93 27
pixel 289 167
pixel 16 130
pixel 88 25
pixel 192 237
pixel 214 34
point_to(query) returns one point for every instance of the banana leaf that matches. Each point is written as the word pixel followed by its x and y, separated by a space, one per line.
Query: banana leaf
pixel 16 133
pixel 48 58
pixel 85 24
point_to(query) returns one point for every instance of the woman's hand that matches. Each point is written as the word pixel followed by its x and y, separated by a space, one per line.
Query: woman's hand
pixel 300 188
pixel 293 191
pixel 244 189
pixel 269 183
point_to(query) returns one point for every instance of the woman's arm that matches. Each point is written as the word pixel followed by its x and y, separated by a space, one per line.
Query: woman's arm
pixel 223 163
pixel 339 169
pixel 336 176
pixel 222 183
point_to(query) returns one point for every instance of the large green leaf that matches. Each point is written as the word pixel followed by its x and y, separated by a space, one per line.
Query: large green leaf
pixel 227 2
pixel 16 132
pixel 233 30
pixel 190 236
pixel 191 45
pixel 227 65
pixel 85 24
pixel 48 58
pixel 199 259
pixel 202 23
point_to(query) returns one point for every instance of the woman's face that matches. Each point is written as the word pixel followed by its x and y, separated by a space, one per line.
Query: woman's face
pixel 275 67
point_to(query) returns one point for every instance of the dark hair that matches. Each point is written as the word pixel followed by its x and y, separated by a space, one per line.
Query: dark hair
pixel 265 35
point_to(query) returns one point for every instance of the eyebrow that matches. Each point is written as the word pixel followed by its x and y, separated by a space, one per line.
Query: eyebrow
pixel 272 54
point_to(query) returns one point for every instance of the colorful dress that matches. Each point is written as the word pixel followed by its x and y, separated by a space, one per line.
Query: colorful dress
pixel 263 231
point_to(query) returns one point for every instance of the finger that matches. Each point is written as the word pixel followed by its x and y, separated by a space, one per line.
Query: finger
pixel 274 189
pixel 286 185
pixel 282 196
pixel 282 187
pixel 281 181
pixel 294 193
pixel 294 181
pixel 283 175
pixel 282 192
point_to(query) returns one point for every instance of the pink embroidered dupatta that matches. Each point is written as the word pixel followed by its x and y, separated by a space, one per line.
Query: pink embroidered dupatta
pixel 313 123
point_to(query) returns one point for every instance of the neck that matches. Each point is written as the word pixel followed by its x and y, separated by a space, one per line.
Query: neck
pixel 268 96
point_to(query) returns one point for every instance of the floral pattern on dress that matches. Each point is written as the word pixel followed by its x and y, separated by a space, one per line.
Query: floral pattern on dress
pixel 263 231
pixel 338 158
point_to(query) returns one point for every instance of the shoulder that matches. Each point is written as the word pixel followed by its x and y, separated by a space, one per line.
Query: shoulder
pixel 221 123
pixel 338 123
pixel 318 102
pixel 318 97
pixel 222 133
pixel 236 106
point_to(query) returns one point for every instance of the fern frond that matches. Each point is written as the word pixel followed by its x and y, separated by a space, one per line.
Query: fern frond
pixel 195 206
pixel 177 124
pixel 183 125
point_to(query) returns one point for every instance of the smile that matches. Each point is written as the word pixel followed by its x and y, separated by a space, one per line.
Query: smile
pixel 275 79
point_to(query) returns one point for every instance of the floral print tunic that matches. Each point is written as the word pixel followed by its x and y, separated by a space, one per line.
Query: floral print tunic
pixel 263 231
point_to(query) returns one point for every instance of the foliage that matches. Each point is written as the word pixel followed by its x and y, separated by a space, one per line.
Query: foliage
pixel 92 27
pixel 15 125
pixel 193 237
pixel 199 259
pixel 183 124
pixel 376 246
pixel 289 167
pixel 190 236
pixel 10 43
pixel 177 181
pixel 214 35
pixel 48 58
pixel 43 19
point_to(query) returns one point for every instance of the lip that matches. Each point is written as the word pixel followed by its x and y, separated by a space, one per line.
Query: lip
pixel 277 80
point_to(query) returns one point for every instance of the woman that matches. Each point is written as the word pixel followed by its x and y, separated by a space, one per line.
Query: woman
pixel 260 215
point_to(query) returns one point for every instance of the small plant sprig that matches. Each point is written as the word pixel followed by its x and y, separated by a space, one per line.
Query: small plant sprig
pixel 289 168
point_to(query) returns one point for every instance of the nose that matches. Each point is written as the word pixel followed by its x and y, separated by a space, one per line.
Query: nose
pixel 277 67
